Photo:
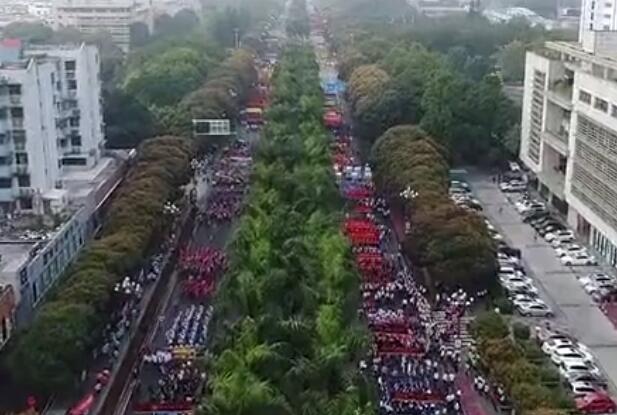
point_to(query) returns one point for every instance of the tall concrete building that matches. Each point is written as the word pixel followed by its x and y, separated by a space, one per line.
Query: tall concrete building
pixel 569 126
pixel 92 16
pixel 51 123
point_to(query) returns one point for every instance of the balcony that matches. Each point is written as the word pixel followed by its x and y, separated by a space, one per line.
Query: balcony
pixel 70 74
pixel 18 123
pixel 556 140
pixel 15 99
pixel 23 191
pixel 19 169
pixel 560 92
pixel 554 180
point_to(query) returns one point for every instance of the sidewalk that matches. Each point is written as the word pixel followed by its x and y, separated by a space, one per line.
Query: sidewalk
pixel 575 311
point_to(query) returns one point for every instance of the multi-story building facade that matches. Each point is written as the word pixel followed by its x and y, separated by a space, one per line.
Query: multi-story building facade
pixel 50 122
pixel 92 16
pixel 569 130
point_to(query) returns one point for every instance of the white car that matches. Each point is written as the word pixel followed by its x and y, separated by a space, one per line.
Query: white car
pixel 578 259
pixel 459 184
pixel 549 346
pixel 566 240
pixel 597 278
pixel 569 354
pixel 583 388
pixel 522 299
pixel 599 287
pixel 512 186
pixel 558 234
pixel 567 368
pixel 516 280
pixel 568 249
pixel 535 309
pixel 535 206
pixel 507 258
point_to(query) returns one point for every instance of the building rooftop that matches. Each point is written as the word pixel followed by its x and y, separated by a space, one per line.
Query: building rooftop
pixel 576 50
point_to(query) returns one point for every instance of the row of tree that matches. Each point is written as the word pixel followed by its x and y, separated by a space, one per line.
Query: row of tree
pixel 451 242
pixel 288 337
pixel 409 84
pixel 50 355
pixel 519 365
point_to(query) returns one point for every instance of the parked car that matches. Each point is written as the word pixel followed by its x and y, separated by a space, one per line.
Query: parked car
pixel 580 388
pixel 535 216
pixel 512 186
pixel 558 234
pixel 586 377
pixel 569 249
pixel 550 346
pixel 568 368
pixel 596 403
pixel 550 228
pixel 578 259
pixel 570 354
pixel 534 309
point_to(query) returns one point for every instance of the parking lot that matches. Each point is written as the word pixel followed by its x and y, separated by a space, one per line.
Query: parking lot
pixel 575 311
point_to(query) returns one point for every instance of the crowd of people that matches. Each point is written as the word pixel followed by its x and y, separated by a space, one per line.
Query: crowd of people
pixel 416 347
pixel 173 375
pixel 200 267
pixel 229 181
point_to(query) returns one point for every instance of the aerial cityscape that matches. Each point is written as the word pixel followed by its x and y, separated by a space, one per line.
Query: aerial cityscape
pixel 308 207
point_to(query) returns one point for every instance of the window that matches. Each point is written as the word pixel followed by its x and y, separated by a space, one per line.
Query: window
pixel 74 161
pixel 76 141
pixel 3 113
pixel 14 89
pixel 23 276
pixel 584 97
pixel 74 121
pixel 69 65
pixel 614 111
pixel 17 112
pixel 35 292
pixel 607 16
pixel 23 180
pixel 608 4
pixel 6 182
pixel 600 104
pixel 21 158
pixel 72 84
pixel 2 138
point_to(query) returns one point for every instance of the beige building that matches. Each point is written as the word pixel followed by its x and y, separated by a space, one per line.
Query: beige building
pixel 91 16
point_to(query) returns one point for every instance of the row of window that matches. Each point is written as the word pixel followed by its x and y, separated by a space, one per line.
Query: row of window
pixel 602 166
pixel 600 137
pixel 22 181
pixel 596 195
pixel 537 109
pixel 598 103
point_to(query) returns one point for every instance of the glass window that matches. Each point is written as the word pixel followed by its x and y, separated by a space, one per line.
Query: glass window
pixel 600 104
pixel 6 182
pixel 584 96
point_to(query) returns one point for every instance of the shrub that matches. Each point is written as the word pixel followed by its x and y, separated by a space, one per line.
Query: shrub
pixel 520 331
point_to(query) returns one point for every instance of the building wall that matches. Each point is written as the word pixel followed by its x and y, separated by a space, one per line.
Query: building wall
pixel 112 16
pixel 534 103
pixel 598 15
pixel 7 314
pixel 40 273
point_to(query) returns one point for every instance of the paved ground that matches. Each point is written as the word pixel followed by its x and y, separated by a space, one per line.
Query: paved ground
pixel 574 309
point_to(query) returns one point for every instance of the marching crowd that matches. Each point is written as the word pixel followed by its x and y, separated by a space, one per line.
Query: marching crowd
pixel 172 363
pixel 416 356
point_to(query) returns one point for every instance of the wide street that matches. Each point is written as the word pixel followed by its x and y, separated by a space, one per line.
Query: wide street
pixel 575 311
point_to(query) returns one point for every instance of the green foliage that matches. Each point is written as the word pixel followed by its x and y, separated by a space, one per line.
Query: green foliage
pixel 504 305
pixel 51 354
pixel 511 61
pixel 520 331
pixel 520 366
pixel 290 338
pixel 490 325
pixel 166 78
pixel 451 242
pixel 28 32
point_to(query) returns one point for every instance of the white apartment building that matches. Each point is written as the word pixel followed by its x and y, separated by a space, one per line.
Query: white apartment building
pixel 92 16
pixel 598 15
pixel 51 124
pixel 569 130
